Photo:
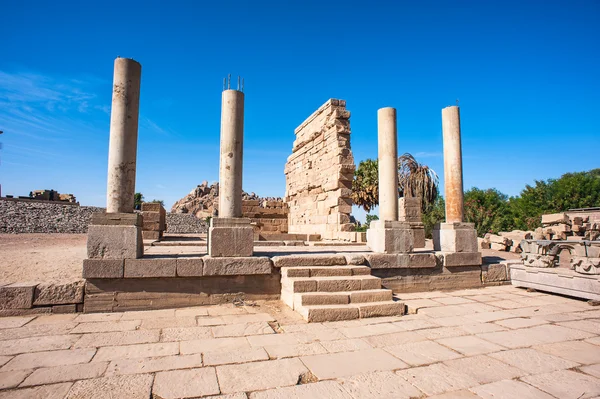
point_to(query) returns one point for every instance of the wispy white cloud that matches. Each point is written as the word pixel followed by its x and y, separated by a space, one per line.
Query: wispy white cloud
pixel 149 125
pixel 425 154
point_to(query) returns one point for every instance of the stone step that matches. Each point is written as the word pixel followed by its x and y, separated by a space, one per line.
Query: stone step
pixel 330 284
pixel 322 313
pixel 325 271
pixel 342 297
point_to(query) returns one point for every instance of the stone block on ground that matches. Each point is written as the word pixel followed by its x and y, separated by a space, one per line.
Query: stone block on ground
pixel 308 260
pixel 494 272
pixel 17 296
pixel 390 238
pixel 455 237
pixel 114 242
pixel 150 267
pixel 189 267
pixel 59 294
pixel 459 259
pixel 231 241
pixel 103 268
pixel 236 266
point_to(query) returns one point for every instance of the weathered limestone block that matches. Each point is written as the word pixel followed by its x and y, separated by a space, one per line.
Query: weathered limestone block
pixel 114 242
pixel 308 260
pixel 150 267
pixel 17 296
pixel 231 241
pixel 103 268
pixel 190 267
pixel 458 259
pixel 555 218
pixel 418 260
pixel 238 266
pixel 495 272
pixel 585 265
pixel 230 237
pixel 418 234
pixel 402 261
pixel 538 260
pixel 390 237
pixel 455 237
pixel 59 294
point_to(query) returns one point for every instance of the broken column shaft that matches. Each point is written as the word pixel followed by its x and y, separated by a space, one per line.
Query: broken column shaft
pixel 123 136
pixel 117 233
pixel 230 235
pixel 388 235
pixel 388 164
pixel 456 239
pixel 232 153
pixel 453 175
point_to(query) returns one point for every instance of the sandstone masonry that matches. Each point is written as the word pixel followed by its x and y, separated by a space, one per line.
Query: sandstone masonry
pixel 319 175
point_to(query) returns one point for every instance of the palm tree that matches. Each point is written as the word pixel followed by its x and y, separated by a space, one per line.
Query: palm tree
pixel 416 180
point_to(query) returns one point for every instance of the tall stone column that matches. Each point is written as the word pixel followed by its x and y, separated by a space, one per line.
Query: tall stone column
pixel 456 239
pixel 387 147
pixel 232 153
pixel 117 234
pixel 388 235
pixel 122 149
pixel 230 235
pixel 453 174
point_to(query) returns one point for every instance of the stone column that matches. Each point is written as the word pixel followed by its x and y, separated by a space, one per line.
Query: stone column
pixel 388 235
pixel 453 179
pixel 122 149
pixel 230 235
pixel 117 234
pixel 232 153
pixel 387 152
pixel 457 240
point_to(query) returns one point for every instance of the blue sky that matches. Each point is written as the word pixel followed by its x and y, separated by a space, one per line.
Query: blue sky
pixel 525 72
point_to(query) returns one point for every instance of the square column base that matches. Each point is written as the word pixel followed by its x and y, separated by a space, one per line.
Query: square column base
pixel 115 236
pixel 230 237
pixel 390 237
pixel 455 237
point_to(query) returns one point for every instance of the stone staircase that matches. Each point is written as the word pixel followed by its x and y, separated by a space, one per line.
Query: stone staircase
pixel 332 293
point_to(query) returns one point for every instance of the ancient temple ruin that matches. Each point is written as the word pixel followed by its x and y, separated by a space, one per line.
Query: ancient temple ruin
pixel 346 281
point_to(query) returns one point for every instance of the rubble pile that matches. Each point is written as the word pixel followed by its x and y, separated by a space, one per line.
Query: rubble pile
pixel 560 226
pixel 507 241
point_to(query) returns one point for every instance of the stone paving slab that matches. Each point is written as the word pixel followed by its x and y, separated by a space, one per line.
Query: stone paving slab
pixel 509 389
pixel 186 383
pixel 350 363
pixel 385 384
pixel 496 342
pixel 319 390
pixel 260 375
pixel 151 365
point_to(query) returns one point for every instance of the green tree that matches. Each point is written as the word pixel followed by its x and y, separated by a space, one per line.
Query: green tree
pixel 155 201
pixel 365 186
pixel 138 198
pixel 488 209
pixel 436 213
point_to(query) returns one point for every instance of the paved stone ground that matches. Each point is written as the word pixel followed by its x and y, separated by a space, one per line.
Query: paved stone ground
pixel 496 342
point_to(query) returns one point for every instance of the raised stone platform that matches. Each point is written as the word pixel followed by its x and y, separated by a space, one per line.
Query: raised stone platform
pixel 557 280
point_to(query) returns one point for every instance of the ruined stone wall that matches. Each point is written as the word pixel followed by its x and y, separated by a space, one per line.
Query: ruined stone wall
pixel 271 217
pixel 319 175
pixel 29 216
